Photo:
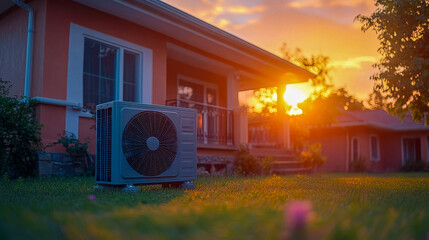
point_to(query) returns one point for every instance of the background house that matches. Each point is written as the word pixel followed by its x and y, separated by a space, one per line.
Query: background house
pixel 384 142
pixel 85 52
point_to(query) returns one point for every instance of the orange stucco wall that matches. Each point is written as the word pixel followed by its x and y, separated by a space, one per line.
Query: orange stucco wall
pixel 333 147
pixel 13 40
pixel 87 132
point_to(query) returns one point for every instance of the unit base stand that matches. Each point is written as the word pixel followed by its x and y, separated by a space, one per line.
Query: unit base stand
pixel 187 186
pixel 129 188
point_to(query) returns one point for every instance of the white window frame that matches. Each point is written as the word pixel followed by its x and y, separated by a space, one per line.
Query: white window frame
pixel 378 148
pixel 75 71
pixel 352 149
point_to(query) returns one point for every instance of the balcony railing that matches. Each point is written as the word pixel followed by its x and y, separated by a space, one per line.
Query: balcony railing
pixel 265 133
pixel 214 123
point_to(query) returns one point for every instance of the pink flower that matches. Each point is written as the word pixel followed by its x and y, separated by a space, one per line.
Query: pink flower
pixel 91 197
pixel 298 214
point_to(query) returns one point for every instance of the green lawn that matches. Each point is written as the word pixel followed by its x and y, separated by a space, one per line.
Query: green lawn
pixel 394 206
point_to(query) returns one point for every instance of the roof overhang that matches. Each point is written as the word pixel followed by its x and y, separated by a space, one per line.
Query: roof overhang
pixel 172 22
pixel 376 126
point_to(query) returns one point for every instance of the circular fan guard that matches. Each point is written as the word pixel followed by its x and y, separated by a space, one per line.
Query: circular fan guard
pixel 149 142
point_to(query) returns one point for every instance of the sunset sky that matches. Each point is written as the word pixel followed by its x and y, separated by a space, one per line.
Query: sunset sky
pixel 316 26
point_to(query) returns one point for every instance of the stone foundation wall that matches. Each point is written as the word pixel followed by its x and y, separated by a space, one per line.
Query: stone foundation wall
pixel 61 164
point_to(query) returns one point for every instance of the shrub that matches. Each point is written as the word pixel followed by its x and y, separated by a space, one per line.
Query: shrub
pixel 358 165
pixel 19 134
pixel 312 157
pixel 78 152
pixel 247 164
pixel 413 166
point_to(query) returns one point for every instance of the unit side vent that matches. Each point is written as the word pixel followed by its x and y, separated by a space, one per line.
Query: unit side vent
pixel 104 145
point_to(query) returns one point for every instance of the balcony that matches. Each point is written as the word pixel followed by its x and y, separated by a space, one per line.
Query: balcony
pixel 266 132
pixel 214 123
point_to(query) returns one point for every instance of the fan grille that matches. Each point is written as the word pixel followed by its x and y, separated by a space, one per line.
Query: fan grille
pixel 138 139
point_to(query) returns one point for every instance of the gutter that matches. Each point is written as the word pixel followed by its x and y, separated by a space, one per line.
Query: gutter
pixel 30 40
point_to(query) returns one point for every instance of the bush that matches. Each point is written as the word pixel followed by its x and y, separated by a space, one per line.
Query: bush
pixel 312 157
pixel 19 133
pixel 413 166
pixel 78 152
pixel 358 165
pixel 247 164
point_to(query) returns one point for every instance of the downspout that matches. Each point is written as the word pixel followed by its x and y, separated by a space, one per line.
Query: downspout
pixel 30 40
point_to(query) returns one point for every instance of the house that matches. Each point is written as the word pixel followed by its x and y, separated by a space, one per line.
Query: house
pixel 378 140
pixel 74 54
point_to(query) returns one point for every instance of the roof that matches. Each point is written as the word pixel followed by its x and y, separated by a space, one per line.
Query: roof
pixel 168 20
pixel 172 22
pixel 378 119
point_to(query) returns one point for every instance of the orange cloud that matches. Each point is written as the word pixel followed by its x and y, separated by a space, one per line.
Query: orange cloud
pixel 355 62
pixel 327 3
pixel 246 10
pixel 316 26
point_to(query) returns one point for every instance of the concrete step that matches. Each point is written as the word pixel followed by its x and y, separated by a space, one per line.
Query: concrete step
pixel 288 171
pixel 287 164
pixel 269 152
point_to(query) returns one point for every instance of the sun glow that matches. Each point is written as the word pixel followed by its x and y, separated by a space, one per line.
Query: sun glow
pixel 293 96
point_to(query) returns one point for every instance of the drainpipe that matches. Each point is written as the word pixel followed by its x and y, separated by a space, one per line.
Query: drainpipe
pixel 30 40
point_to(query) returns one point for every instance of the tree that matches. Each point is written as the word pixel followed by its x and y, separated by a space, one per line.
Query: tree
pixel 376 100
pixel 403 71
pixel 316 64
pixel 263 101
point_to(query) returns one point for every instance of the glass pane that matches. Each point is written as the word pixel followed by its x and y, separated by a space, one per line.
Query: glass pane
pixel 190 91
pixel 211 97
pixel 130 76
pixel 99 73
pixel 90 91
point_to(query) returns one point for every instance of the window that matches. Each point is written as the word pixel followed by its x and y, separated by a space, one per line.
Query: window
pixel 202 96
pixel 103 68
pixel 100 74
pixel 197 91
pixel 411 150
pixel 374 148
pixel 355 149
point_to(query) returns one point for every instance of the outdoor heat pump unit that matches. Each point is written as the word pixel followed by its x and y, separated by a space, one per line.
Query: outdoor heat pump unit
pixel 145 144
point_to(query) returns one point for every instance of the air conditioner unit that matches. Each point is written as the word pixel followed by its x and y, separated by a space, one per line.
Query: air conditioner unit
pixel 145 144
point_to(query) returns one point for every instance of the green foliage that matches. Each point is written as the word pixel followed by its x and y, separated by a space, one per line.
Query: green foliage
pixel 358 165
pixel 377 100
pixel 72 145
pixel 77 150
pixel 247 164
pixel 312 157
pixel 19 134
pixel 413 166
pixel 316 64
pixel 403 71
